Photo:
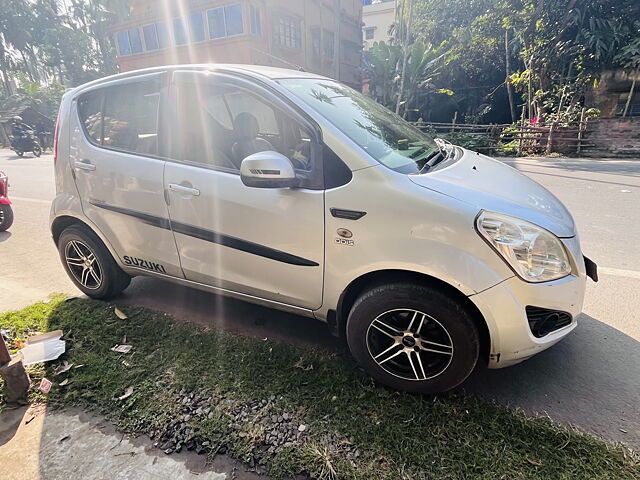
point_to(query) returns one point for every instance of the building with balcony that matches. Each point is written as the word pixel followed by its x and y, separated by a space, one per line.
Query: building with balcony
pixel 377 18
pixel 319 36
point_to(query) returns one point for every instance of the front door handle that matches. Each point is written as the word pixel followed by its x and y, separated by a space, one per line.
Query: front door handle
pixel 175 187
pixel 89 167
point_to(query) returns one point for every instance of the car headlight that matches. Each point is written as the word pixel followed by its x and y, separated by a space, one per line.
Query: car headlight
pixel 534 253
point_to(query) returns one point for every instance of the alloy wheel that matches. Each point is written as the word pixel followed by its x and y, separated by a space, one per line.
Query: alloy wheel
pixel 409 344
pixel 83 265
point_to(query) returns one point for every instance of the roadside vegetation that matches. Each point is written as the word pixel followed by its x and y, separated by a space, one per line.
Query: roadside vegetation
pixel 283 409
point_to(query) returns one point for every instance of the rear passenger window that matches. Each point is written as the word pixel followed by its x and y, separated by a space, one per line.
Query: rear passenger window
pixel 123 117
pixel 90 111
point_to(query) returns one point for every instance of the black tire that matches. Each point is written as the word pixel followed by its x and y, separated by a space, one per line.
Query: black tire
pixel 78 240
pixel 37 151
pixel 20 153
pixel 446 323
pixel 6 217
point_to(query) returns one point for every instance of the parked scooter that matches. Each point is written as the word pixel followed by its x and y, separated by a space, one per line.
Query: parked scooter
pixel 6 212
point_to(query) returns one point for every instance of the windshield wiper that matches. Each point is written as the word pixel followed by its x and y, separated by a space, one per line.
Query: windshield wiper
pixel 445 147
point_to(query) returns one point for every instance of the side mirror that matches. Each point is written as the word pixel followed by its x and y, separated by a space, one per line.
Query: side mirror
pixel 268 170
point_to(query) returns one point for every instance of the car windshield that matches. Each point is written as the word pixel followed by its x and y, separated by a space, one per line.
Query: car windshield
pixel 384 135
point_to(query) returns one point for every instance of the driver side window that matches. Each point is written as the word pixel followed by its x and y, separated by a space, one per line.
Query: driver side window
pixel 218 125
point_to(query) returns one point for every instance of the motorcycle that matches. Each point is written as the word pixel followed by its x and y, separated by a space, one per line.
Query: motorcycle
pixel 6 213
pixel 26 143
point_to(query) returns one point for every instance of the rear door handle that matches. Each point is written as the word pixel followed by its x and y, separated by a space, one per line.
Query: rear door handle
pixel 89 167
pixel 175 187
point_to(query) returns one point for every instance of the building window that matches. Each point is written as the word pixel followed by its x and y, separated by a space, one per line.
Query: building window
pixel 225 21
pixel 150 37
pixel 136 41
pixel 179 31
pixel 196 27
pixel 129 42
pixel 233 19
pixel 315 42
pixel 124 47
pixel 163 35
pixel 287 33
pixel 256 24
pixel 368 33
pixel 328 43
pixel 351 52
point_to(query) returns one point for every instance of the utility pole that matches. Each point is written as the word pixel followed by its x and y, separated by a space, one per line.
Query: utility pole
pixel 626 107
pixel 404 54
pixel 507 61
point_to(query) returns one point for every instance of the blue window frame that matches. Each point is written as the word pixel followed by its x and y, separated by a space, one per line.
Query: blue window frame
pixel 225 21
pixel 216 23
pixel 256 24
pixel 196 27
pixel 124 47
pixel 233 19
pixel 179 31
pixel 135 41
pixel 150 37
pixel 163 35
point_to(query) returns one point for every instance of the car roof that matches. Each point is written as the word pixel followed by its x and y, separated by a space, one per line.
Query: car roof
pixel 257 71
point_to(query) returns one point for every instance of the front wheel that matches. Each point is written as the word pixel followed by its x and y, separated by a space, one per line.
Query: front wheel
pixel 37 151
pixel 6 217
pixel 413 337
pixel 20 153
pixel 89 263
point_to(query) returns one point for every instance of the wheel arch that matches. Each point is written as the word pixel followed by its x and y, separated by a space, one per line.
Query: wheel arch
pixel 337 319
pixel 61 222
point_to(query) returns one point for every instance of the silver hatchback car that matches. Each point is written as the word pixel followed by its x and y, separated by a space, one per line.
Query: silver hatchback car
pixel 293 191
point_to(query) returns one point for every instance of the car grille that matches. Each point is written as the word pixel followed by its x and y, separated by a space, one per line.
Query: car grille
pixel 543 321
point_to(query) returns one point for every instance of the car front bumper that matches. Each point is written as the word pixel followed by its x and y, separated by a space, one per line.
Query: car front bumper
pixel 503 307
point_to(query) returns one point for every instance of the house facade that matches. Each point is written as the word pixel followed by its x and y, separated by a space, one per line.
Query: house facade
pixel 377 18
pixel 319 36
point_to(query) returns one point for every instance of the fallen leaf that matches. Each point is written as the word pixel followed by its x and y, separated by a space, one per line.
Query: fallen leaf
pixel 66 437
pixel 65 367
pixel 299 364
pixel 623 430
pixel 79 366
pixel 64 382
pixel 534 461
pixel 125 363
pixel 122 348
pixel 120 314
pixel 127 393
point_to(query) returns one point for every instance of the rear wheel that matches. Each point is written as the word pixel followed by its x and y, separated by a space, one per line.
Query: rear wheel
pixel 413 337
pixel 89 264
pixel 6 217
pixel 37 151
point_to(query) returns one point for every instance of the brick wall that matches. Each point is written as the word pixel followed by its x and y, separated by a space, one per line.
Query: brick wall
pixel 613 137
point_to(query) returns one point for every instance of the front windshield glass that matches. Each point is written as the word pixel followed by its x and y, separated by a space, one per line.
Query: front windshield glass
pixel 384 135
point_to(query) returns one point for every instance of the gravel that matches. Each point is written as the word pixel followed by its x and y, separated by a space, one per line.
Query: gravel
pixel 264 423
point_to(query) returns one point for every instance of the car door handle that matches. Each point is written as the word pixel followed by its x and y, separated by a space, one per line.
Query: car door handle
pixel 89 167
pixel 175 187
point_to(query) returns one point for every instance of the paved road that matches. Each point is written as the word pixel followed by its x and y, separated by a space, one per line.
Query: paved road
pixel 591 379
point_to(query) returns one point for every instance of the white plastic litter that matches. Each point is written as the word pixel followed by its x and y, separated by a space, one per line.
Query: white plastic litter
pixel 43 348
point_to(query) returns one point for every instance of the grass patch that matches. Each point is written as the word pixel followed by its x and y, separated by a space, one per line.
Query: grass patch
pixel 353 429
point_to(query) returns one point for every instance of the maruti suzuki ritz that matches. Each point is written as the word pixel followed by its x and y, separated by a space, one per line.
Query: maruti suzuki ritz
pixel 293 191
